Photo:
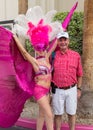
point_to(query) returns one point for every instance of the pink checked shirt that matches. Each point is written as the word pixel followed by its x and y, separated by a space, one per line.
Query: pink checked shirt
pixel 67 67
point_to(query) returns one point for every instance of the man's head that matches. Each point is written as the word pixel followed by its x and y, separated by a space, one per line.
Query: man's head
pixel 63 40
pixel 63 34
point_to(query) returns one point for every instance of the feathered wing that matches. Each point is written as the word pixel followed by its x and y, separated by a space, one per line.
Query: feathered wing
pixel 66 21
pixel 16 80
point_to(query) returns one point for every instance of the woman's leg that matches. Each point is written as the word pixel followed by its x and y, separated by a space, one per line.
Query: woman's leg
pixel 40 119
pixel 47 111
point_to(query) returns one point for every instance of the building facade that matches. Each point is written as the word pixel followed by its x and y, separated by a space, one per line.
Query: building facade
pixel 9 9
pixel 59 5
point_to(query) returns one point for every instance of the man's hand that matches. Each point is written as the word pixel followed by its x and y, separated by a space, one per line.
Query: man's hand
pixel 78 93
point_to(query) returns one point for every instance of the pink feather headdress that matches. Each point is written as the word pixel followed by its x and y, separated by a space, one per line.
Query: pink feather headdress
pixel 39 35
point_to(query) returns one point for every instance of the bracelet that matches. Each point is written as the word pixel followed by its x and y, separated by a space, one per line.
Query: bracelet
pixel 79 88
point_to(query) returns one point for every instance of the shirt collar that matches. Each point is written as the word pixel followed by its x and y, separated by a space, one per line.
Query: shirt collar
pixel 66 52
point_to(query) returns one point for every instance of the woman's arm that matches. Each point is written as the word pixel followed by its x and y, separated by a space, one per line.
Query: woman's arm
pixel 25 54
pixel 52 47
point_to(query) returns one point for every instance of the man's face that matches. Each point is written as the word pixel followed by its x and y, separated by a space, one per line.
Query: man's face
pixel 63 43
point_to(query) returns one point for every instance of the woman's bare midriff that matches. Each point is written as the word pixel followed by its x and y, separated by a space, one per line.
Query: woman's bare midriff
pixel 43 80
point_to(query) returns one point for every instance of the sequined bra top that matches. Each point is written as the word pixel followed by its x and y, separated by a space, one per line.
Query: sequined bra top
pixel 43 70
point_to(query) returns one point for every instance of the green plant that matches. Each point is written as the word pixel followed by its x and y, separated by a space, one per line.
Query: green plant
pixel 28 46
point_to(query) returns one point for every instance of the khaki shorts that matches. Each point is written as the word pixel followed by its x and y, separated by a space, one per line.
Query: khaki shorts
pixel 65 101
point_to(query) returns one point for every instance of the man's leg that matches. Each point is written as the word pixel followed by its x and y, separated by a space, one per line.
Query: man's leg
pixel 71 121
pixel 58 107
pixel 71 106
pixel 58 121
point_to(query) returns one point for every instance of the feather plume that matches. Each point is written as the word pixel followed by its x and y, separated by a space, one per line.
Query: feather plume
pixel 34 15
pixel 66 21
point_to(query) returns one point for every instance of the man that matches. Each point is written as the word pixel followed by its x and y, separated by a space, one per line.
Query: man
pixel 67 79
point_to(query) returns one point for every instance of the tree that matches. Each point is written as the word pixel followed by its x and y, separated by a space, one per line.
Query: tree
pixel 86 100
pixel 23 6
pixel 88 45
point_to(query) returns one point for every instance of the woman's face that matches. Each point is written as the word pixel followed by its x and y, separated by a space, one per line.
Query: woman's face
pixel 41 53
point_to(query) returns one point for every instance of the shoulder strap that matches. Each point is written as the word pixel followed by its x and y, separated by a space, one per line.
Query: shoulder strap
pixel 52 60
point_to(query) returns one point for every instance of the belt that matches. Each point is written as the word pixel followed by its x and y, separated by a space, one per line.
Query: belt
pixel 65 88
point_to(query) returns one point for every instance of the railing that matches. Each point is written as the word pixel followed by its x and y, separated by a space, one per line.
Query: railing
pixel 7 24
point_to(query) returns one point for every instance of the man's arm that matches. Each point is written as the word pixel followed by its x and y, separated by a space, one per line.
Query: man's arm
pixel 79 83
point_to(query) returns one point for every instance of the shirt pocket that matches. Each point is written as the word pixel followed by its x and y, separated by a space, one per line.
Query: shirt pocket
pixel 72 67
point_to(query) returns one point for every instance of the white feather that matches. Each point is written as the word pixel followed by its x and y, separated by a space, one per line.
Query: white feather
pixel 56 28
pixel 21 32
pixel 34 15
pixel 22 21
pixel 49 16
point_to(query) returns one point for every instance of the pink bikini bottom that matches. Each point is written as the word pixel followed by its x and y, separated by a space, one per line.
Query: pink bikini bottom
pixel 40 91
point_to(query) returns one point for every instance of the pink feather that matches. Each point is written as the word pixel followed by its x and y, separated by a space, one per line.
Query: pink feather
pixel 66 21
pixel 39 35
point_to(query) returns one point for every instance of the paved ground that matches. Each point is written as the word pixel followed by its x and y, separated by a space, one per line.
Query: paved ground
pixel 15 128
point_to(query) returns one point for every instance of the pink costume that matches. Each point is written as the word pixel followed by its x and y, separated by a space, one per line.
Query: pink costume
pixel 40 91
pixel 16 80
pixel 16 74
pixel 16 84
